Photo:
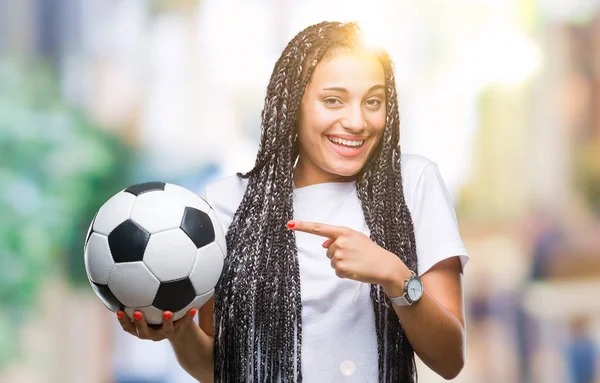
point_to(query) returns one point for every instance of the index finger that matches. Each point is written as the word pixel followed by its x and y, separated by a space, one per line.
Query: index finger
pixel 321 229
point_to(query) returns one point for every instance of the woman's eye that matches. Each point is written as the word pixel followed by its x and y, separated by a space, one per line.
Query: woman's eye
pixel 332 101
pixel 374 102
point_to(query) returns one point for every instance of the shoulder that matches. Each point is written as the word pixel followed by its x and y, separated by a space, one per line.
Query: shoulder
pixel 414 167
pixel 224 187
pixel 413 164
pixel 225 191
pixel 224 196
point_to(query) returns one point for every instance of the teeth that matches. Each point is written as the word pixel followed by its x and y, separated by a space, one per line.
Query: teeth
pixel 346 142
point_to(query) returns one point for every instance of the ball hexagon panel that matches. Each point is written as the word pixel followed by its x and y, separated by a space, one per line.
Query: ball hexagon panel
pixel 198 226
pixel 98 259
pixel 186 197
pixel 198 302
pixel 207 268
pixel 170 255
pixel 113 213
pixel 146 187
pixel 133 284
pixel 107 297
pixel 175 295
pixel 157 211
pixel 128 242
pixel 219 232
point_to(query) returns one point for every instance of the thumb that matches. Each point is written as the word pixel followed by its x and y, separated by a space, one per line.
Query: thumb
pixel 327 243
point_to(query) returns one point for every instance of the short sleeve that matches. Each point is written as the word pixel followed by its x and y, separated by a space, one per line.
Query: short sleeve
pixel 224 196
pixel 436 227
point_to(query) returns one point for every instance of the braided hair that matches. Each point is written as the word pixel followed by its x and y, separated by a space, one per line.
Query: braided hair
pixel 258 309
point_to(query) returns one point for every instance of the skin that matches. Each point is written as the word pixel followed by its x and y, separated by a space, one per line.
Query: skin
pixel 346 98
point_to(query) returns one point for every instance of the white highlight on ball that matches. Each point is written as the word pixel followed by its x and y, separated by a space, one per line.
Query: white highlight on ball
pixel 347 368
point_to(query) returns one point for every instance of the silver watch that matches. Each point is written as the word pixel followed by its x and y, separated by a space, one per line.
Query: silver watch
pixel 413 290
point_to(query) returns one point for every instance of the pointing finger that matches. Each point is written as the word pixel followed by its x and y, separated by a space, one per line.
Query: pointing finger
pixel 321 229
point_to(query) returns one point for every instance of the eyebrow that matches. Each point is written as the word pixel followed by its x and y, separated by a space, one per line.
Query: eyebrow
pixel 344 90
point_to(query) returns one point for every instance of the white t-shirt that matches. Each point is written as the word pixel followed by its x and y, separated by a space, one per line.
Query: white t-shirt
pixel 338 325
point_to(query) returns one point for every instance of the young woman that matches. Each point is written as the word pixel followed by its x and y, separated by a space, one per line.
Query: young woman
pixel 344 257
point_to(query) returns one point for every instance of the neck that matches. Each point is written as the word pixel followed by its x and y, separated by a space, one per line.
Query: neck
pixel 311 175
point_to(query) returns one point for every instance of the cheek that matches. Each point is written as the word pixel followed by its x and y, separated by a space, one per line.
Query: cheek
pixel 315 121
pixel 378 123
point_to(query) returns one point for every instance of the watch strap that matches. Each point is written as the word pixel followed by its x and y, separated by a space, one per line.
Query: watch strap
pixel 400 301
pixel 403 299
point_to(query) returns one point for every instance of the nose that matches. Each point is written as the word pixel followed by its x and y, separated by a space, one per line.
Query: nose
pixel 354 120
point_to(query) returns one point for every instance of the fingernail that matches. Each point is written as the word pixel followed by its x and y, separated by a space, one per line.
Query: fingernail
pixel 291 224
pixel 167 315
pixel 120 314
pixel 137 315
pixel 193 312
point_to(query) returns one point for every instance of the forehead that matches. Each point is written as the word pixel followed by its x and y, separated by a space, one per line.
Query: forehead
pixel 347 68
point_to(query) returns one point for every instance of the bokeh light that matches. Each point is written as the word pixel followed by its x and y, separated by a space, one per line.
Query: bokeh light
pixel 96 95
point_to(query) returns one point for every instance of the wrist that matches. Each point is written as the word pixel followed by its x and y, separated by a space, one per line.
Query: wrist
pixel 395 278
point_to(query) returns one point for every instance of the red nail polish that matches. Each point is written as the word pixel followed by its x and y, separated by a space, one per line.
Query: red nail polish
pixel 137 315
pixel 193 312
pixel 291 224
pixel 167 315
pixel 120 314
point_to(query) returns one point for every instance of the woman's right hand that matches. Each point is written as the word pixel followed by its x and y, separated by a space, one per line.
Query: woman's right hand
pixel 168 330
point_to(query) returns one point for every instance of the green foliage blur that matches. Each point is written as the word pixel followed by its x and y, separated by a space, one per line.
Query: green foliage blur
pixel 56 169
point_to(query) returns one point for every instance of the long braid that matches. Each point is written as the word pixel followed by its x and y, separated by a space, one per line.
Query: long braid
pixel 258 310
pixel 382 178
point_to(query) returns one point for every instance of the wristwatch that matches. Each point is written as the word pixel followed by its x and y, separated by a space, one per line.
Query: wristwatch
pixel 413 290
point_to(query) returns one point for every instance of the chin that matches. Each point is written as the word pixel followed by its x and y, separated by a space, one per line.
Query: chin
pixel 345 170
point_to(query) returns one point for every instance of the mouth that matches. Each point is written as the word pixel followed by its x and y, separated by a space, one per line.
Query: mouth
pixel 346 147
pixel 343 143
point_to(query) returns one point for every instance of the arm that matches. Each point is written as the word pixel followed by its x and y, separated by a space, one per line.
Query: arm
pixel 435 324
pixel 194 348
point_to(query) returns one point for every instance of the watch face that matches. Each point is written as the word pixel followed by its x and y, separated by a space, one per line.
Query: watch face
pixel 414 289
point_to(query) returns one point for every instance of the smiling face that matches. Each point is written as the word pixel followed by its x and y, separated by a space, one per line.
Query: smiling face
pixel 341 119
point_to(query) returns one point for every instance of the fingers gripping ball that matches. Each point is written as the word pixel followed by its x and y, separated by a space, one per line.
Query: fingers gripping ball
pixel 155 247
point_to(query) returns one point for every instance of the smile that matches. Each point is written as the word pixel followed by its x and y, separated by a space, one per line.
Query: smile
pixel 347 143
pixel 345 147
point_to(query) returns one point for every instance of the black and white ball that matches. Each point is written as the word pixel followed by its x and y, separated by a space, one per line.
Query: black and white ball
pixel 154 247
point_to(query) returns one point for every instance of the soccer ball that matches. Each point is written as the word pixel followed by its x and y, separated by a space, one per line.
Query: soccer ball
pixel 154 247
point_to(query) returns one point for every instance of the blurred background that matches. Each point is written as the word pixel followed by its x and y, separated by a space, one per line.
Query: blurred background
pixel 98 94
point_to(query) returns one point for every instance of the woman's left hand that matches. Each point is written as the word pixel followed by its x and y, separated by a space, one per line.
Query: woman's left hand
pixel 354 255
